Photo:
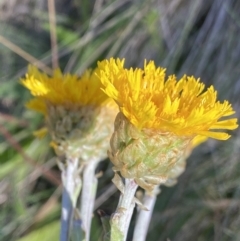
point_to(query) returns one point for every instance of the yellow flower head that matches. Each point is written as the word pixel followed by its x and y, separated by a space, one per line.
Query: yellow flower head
pixel 78 114
pixel 63 89
pixel 160 120
pixel 150 100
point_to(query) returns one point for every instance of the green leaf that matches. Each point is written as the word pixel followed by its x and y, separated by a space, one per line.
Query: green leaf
pixel 116 234
pixel 49 232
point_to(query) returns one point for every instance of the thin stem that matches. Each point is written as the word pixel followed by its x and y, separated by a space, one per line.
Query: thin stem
pixel 71 188
pixel 66 217
pixel 53 32
pixel 128 219
pixel 121 218
pixel 88 197
pixel 144 217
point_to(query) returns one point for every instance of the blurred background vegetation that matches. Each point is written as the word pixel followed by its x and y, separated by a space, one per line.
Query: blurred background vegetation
pixel 200 38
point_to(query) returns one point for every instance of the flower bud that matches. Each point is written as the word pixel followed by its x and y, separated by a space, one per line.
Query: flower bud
pixel 146 155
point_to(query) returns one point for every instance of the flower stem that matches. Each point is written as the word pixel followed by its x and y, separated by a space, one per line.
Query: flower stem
pixel 71 188
pixel 88 197
pixel 121 218
pixel 66 216
pixel 144 216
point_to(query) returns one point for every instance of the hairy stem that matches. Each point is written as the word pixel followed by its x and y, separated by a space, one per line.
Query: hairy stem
pixel 71 188
pixel 121 218
pixel 144 216
pixel 88 197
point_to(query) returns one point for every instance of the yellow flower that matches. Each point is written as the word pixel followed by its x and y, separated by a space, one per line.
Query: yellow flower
pixel 63 89
pixel 159 119
pixel 78 114
pixel 149 100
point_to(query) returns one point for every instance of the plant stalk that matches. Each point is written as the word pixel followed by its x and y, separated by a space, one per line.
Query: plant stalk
pixel 144 216
pixel 71 189
pixel 121 218
pixel 89 189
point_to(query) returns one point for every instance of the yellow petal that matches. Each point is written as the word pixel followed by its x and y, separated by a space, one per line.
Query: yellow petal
pixel 41 132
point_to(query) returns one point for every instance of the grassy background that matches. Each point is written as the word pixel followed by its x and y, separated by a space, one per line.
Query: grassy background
pixel 199 38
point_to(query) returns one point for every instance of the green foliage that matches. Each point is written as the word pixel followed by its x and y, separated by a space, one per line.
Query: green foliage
pixel 47 233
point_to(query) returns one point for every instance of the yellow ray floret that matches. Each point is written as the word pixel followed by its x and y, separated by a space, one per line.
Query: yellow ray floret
pixel 150 100
pixel 63 89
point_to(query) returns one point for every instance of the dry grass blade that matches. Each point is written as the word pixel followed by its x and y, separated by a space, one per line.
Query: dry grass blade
pixel 53 34
pixel 12 119
pixel 29 58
